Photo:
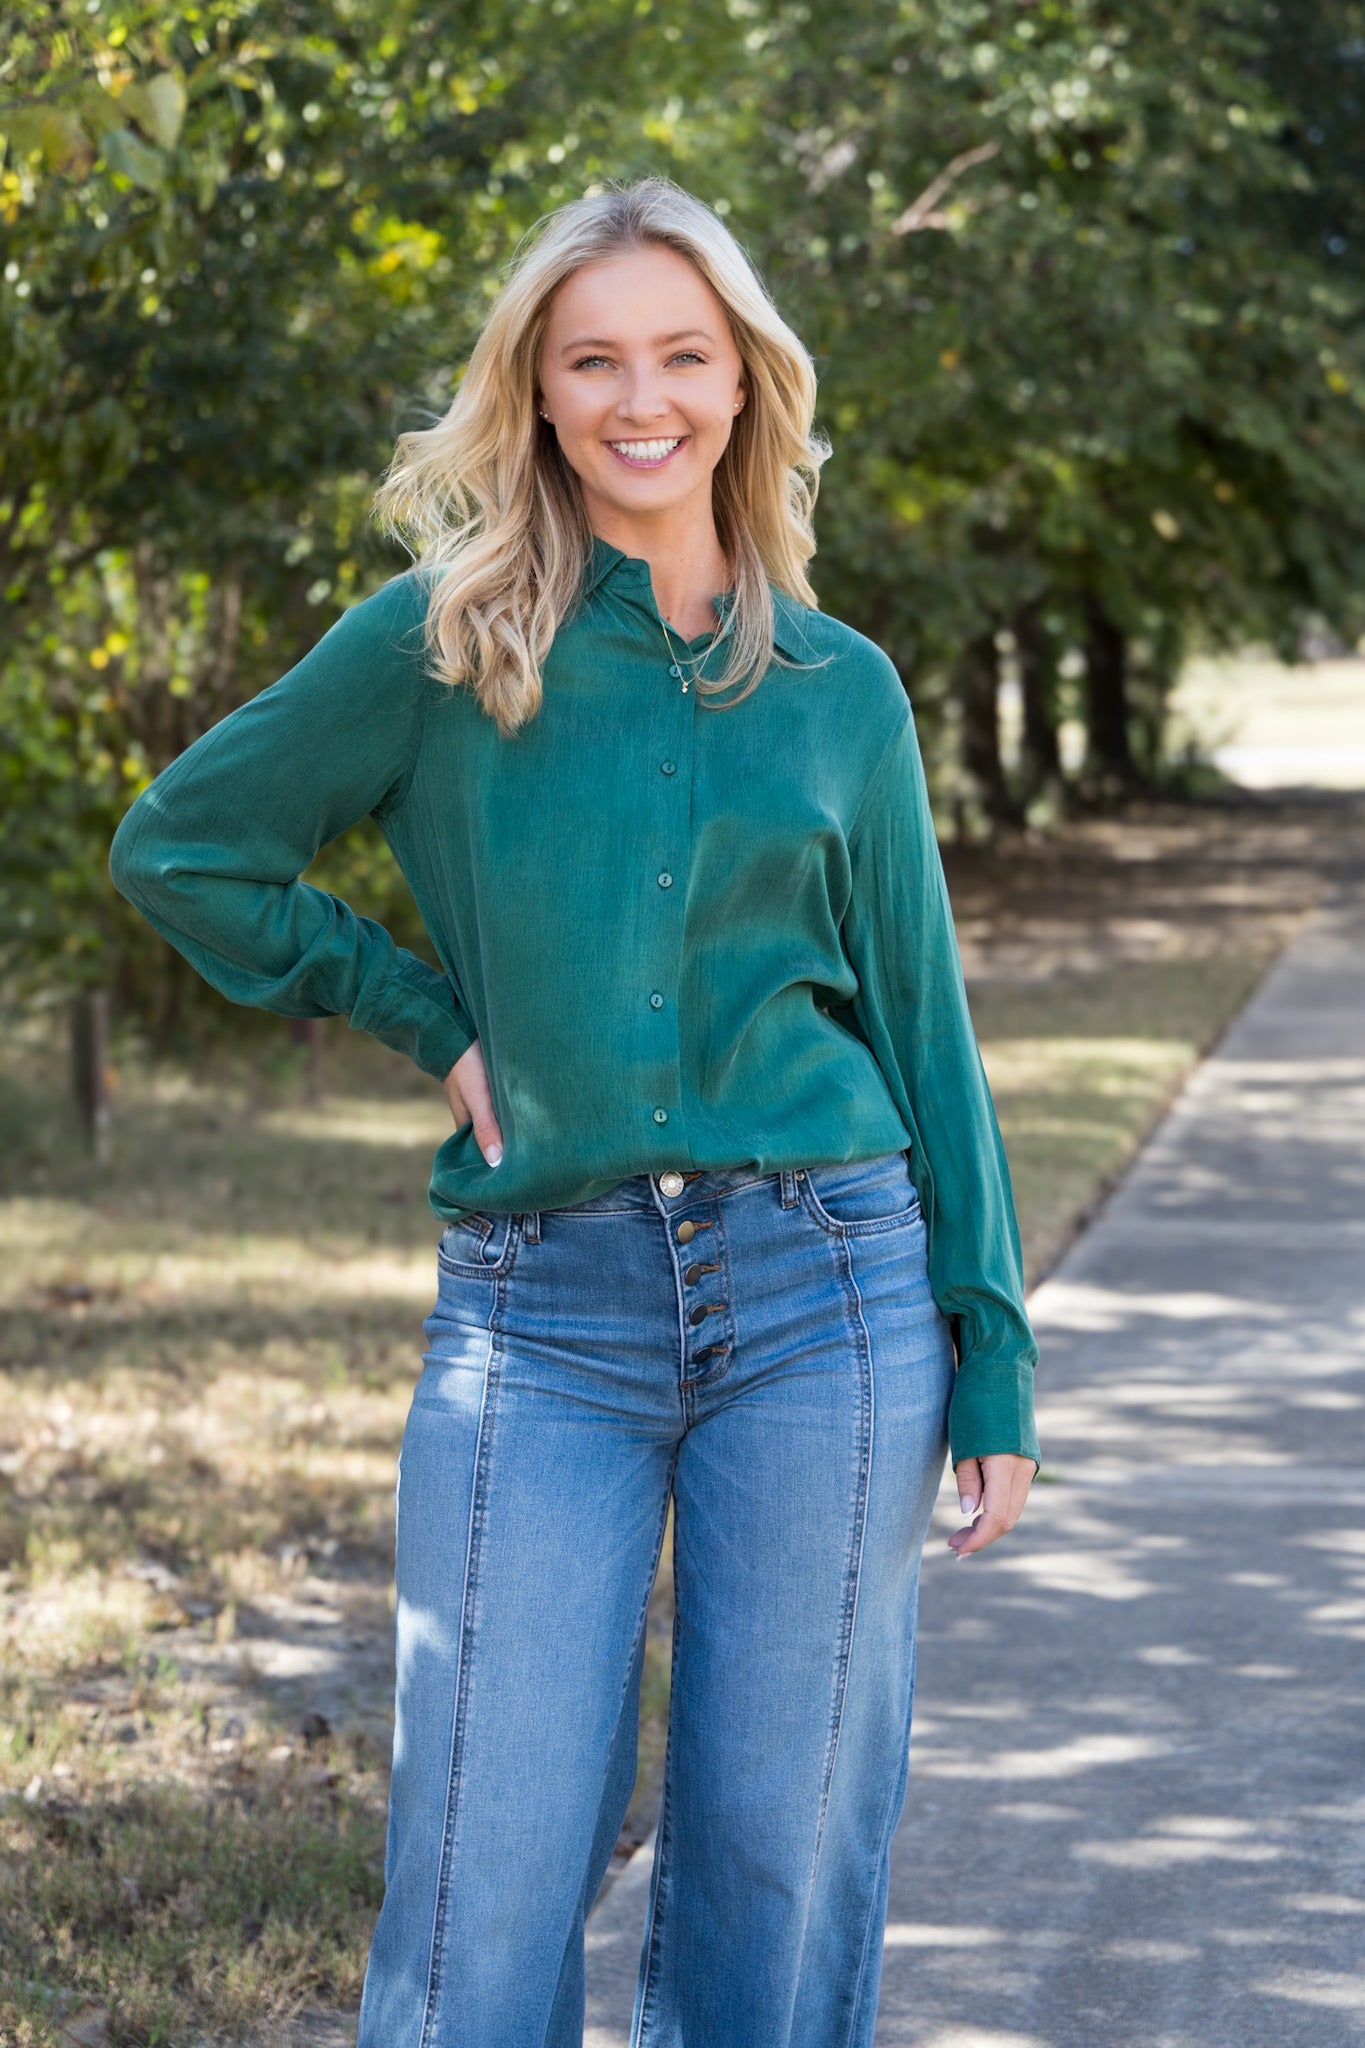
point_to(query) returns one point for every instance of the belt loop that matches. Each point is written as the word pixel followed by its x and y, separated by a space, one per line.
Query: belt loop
pixel 531 1226
pixel 788 1180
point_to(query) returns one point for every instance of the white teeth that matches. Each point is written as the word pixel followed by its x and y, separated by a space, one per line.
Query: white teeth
pixel 646 451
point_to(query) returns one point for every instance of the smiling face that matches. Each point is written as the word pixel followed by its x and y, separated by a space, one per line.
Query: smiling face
pixel 642 381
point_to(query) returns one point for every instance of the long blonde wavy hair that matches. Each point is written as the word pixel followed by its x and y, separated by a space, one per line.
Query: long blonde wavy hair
pixel 487 506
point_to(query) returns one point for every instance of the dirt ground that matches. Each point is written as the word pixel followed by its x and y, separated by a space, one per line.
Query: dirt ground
pixel 208 1348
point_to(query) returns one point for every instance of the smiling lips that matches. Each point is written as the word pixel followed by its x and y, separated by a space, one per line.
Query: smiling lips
pixel 646 454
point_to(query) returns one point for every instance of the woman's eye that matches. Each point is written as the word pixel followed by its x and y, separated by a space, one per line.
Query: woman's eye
pixel 684 355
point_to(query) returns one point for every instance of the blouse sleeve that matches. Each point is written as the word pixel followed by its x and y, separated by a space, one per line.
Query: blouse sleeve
pixel 912 1009
pixel 212 850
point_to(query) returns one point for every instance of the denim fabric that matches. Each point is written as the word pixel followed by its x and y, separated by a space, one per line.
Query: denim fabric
pixel 786 1375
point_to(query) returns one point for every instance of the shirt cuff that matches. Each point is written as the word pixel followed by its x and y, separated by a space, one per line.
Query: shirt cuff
pixel 992 1411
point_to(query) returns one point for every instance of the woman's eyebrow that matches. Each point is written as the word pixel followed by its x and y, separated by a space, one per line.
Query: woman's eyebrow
pixel 663 341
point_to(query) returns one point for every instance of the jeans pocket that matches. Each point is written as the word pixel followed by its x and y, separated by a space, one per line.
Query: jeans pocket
pixel 862 1195
pixel 481 1245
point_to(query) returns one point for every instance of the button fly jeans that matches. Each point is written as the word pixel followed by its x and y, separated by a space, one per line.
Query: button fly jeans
pixel 764 1348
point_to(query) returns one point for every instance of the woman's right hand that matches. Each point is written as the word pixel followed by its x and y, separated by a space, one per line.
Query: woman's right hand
pixel 467 1092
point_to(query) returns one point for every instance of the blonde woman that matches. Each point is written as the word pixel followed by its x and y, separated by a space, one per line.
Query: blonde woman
pixel 727 1216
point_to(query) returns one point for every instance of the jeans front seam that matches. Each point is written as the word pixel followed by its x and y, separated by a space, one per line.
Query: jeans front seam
pixel 854 1560
pixel 893 1806
pixel 473 1544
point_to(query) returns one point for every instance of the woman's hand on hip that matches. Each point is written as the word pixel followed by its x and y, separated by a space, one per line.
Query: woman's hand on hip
pixel 999 1484
pixel 467 1092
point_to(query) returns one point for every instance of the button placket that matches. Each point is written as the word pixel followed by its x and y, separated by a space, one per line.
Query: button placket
pixel 673 765
pixel 708 1334
pixel 704 1307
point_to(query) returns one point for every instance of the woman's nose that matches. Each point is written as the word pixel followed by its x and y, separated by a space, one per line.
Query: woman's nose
pixel 643 400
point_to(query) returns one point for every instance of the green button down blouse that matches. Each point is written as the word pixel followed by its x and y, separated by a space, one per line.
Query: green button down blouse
pixel 685 936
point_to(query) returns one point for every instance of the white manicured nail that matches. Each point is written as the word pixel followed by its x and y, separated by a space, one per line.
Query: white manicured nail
pixel 493 1154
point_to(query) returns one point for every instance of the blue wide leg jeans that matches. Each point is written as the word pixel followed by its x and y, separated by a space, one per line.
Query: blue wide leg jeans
pixel 764 1348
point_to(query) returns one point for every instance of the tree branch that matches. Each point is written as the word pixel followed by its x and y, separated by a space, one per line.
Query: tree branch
pixel 923 212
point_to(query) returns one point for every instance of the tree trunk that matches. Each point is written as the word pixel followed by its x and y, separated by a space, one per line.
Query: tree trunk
pixel 977 687
pixel 171 1001
pixel 1109 755
pixel 90 1066
pixel 1149 693
pixel 1041 760
pixel 158 717
pixel 307 1032
pixel 216 693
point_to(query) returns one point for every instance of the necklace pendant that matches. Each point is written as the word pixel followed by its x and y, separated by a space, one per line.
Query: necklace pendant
pixel 685 686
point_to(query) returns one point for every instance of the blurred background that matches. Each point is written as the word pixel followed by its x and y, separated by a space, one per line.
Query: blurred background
pixel 1084 285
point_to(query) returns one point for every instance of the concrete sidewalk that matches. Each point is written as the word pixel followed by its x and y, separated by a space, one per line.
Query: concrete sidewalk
pixel 1136 1814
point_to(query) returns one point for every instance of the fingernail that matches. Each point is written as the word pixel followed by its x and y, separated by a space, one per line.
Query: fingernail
pixel 493 1154
pixel 965 1503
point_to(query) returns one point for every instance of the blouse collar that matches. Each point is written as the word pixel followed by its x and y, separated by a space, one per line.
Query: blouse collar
pixel 788 616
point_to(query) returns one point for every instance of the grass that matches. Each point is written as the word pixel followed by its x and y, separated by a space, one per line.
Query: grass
pixel 208 1349
pixel 179 1903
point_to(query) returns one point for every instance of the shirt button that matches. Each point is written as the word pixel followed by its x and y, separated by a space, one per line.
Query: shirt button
pixel 656 1001
pixel 665 880
pixel 661 1116
pixel 674 670
pixel 668 767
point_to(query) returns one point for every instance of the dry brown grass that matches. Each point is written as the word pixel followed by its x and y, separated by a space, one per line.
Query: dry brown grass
pixel 208 1347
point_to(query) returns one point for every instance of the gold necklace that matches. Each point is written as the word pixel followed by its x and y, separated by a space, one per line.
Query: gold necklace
pixel 695 659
